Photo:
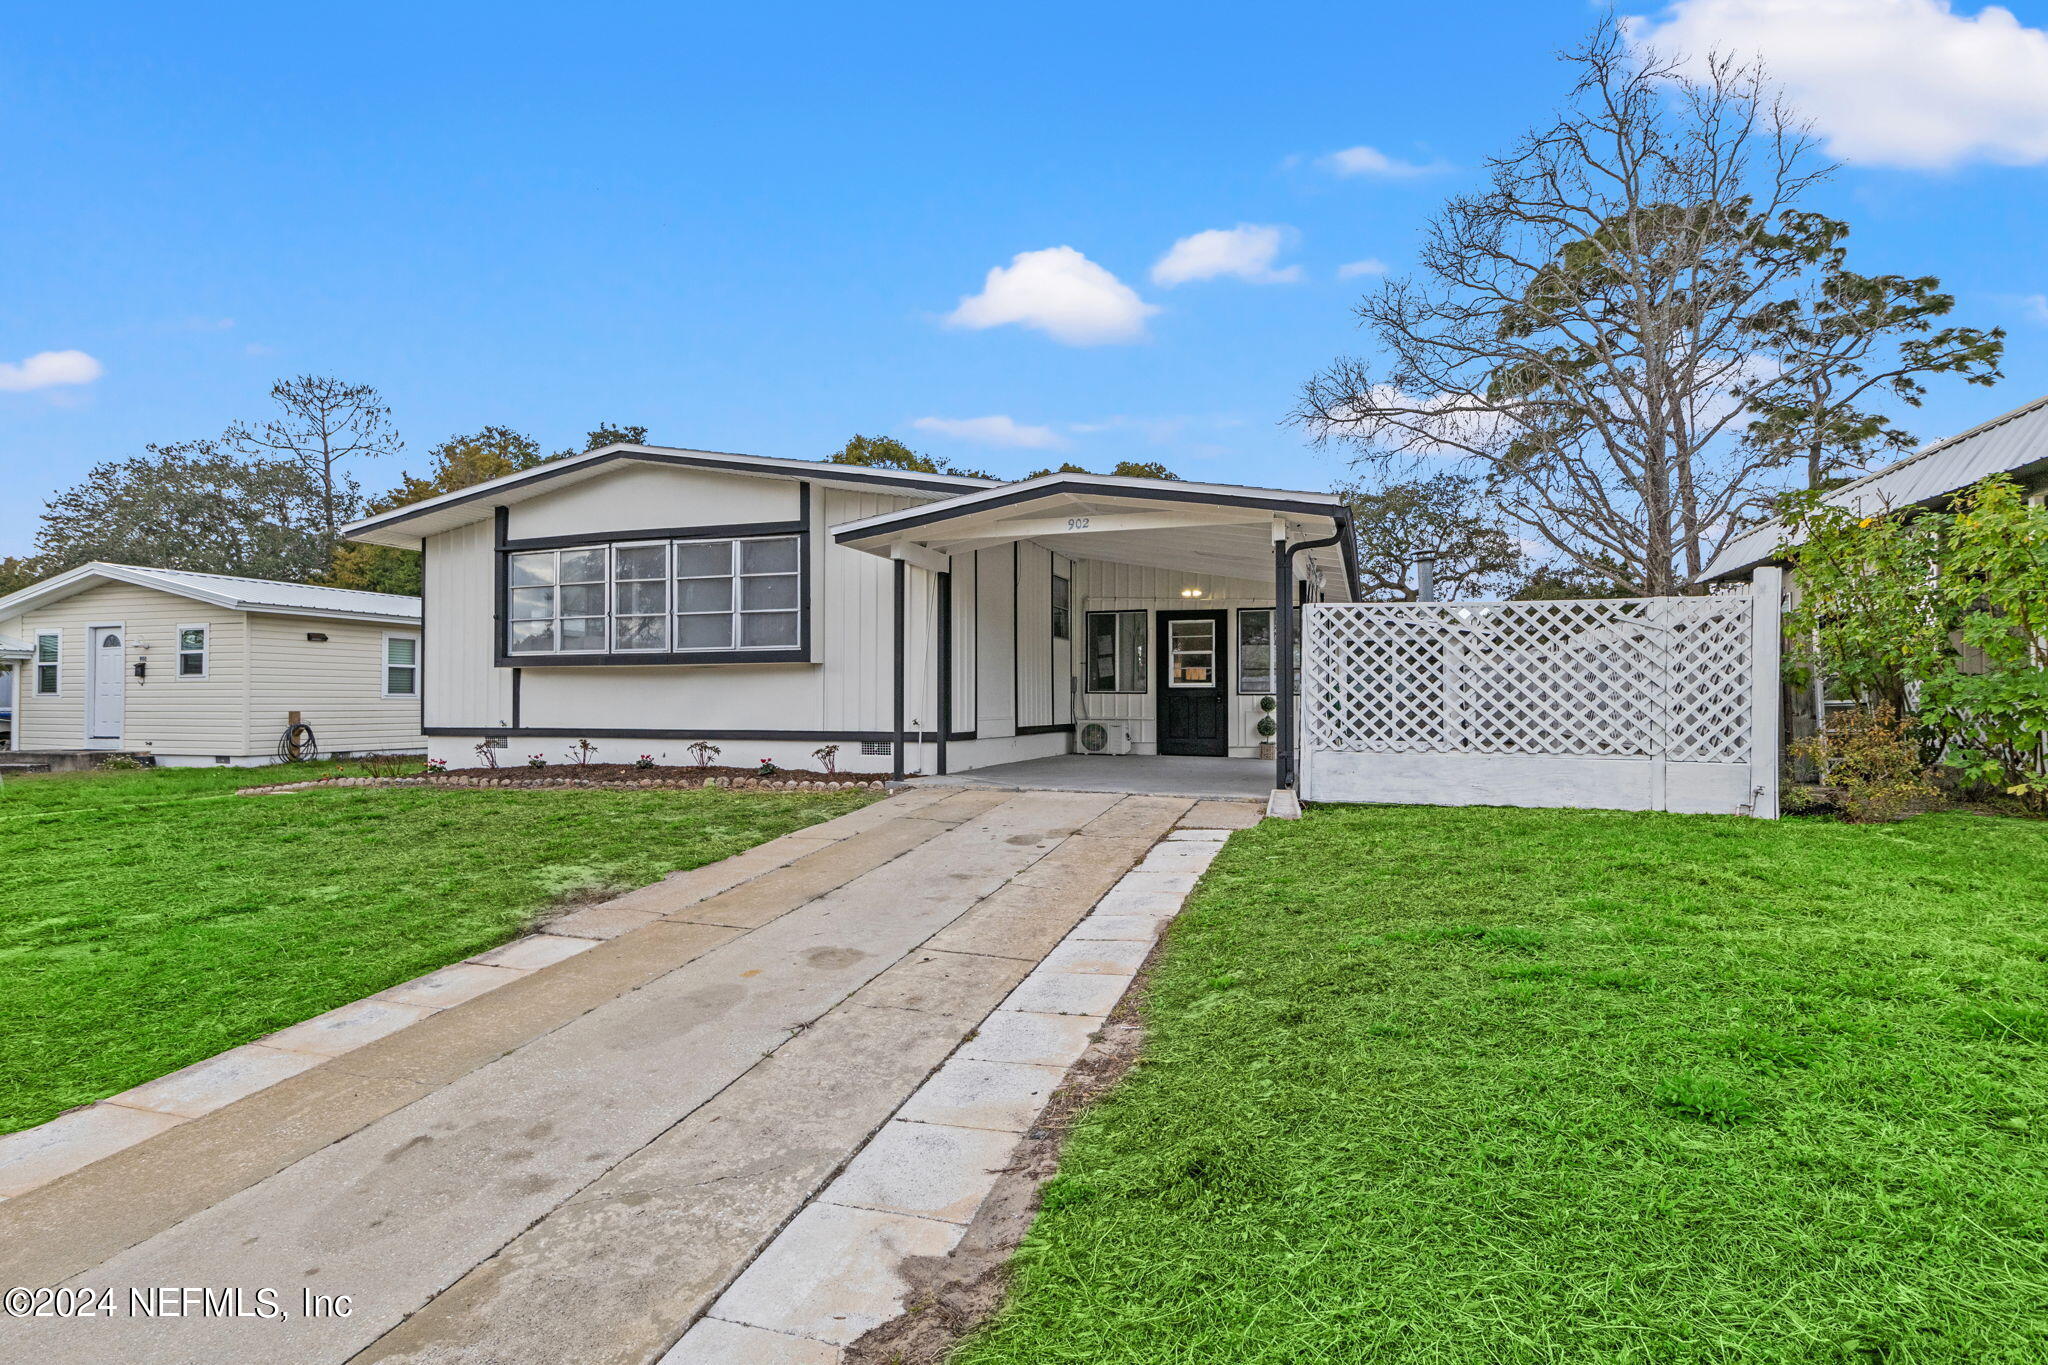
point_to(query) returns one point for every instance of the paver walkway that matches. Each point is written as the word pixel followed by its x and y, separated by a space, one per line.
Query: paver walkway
pixel 572 1167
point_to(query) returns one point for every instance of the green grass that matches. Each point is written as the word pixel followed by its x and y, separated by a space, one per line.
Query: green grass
pixel 1483 1085
pixel 150 919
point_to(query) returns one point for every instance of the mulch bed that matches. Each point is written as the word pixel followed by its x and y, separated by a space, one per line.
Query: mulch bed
pixel 626 772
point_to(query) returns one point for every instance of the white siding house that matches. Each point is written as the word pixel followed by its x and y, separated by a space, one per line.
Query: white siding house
pixel 645 598
pixel 193 668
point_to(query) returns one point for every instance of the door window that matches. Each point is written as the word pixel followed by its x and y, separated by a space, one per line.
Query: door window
pixel 1191 653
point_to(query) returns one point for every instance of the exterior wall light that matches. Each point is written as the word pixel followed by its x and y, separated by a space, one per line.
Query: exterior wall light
pixel 1190 592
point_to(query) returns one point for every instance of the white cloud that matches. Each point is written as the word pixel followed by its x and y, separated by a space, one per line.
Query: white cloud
pixel 1371 265
pixel 1373 161
pixel 992 431
pixel 48 370
pixel 2035 306
pixel 1061 293
pixel 1245 252
pixel 1890 82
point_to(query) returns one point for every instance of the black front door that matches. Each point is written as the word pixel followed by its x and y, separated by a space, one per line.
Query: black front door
pixel 1194 712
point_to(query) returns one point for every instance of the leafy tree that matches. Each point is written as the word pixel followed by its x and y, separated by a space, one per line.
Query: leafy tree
pixel 1583 329
pixel 886 452
pixel 322 422
pixel 1445 518
pixel 1843 341
pixel 1943 614
pixel 18 572
pixel 1568 583
pixel 458 462
pixel 191 506
pixel 1129 469
pixel 608 435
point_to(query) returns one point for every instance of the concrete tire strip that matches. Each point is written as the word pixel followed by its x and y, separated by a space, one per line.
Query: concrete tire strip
pixel 575 1161
pixel 830 1276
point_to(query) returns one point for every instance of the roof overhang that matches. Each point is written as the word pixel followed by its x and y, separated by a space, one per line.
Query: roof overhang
pixel 88 576
pixel 1199 528
pixel 14 651
pixel 405 527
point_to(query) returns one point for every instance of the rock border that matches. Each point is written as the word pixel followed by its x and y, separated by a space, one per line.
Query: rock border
pixel 516 783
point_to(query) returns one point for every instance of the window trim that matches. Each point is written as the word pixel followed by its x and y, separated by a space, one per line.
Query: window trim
pixel 205 650
pixel 1144 671
pixel 55 664
pixel 385 665
pixel 801 531
pixel 1237 648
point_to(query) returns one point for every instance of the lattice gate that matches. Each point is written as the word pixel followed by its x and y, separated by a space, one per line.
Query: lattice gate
pixel 1660 703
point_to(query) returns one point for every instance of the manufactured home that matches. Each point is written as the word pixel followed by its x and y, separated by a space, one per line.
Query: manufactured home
pixel 645 598
pixel 198 668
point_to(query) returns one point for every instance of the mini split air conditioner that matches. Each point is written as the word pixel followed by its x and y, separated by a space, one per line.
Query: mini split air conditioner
pixel 1103 736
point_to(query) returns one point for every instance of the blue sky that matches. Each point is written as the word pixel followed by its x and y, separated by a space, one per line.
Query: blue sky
pixel 747 227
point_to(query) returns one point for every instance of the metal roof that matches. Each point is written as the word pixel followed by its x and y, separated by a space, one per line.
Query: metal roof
pixel 14 649
pixel 223 590
pixel 2016 442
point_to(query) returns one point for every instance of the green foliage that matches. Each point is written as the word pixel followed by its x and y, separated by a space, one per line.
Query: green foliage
pixel 1569 582
pixel 151 919
pixel 606 435
pixel 18 572
pixel 1941 615
pixel 458 462
pixel 1871 762
pixel 192 506
pixel 1128 469
pixel 1446 516
pixel 886 452
pixel 1389 1147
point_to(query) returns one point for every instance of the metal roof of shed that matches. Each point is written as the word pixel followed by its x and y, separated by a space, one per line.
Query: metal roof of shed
pixel 225 590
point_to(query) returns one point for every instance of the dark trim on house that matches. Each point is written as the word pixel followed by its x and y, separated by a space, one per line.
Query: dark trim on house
pixel 734 531
pixel 897 587
pixel 800 654
pixel 945 652
pixel 1257 501
pixel 794 736
pixel 1283 646
pixel 516 678
pixel 1016 630
pixel 857 474
pixel 1044 729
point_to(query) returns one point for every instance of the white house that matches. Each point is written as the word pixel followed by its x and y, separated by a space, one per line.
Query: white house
pixel 644 598
pixel 197 668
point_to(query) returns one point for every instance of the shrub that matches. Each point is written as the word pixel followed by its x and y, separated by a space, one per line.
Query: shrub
pixel 536 761
pixel 767 768
pixel 437 765
pixel 644 761
pixel 828 757
pixel 581 752
pixel 488 752
pixel 703 751
pixel 1871 762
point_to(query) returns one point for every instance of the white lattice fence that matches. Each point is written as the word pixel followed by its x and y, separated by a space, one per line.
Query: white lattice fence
pixel 1664 703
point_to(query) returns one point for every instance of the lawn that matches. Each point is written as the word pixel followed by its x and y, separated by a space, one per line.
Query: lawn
pixel 1506 1085
pixel 150 919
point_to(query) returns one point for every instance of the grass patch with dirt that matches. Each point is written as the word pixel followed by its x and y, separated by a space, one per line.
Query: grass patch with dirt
pixel 1517 1086
pixel 150 919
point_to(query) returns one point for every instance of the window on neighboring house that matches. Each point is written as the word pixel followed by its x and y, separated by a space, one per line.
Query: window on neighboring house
pixel 658 597
pixel 1062 608
pixel 49 665
pixel 401 666
pixel 1116 651
pixel 1255 650
pixel 191 651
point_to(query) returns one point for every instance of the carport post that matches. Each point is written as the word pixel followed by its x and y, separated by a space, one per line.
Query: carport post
pixel 1283 656
pixel 897 593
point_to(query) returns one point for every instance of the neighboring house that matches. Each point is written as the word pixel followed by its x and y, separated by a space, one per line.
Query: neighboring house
pixel 644 598
pixel 2015 444
pixel 198 668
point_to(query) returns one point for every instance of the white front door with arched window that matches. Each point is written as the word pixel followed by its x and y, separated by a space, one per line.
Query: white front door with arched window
pixel 105 686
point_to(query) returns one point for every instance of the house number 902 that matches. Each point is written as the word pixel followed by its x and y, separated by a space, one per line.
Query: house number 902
pixel 1077 523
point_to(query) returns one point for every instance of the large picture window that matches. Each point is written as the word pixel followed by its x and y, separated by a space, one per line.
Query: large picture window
pixel 1116 651
pixel 658 597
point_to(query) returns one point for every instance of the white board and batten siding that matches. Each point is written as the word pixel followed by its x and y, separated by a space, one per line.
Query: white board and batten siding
pixel 1641 704
pixel 1101 586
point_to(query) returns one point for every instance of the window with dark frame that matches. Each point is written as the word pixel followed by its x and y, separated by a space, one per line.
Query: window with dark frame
pixel 657 597
pixel 1062 608
pixel 1116 652
pixel 1255 651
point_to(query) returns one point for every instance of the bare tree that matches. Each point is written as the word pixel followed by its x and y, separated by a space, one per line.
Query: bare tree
pixel 1578 329
pixel 322 423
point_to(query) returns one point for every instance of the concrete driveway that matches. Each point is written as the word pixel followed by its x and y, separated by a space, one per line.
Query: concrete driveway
pixel 574 1166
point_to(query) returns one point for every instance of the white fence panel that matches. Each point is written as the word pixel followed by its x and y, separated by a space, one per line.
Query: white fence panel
pixel 1661 703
